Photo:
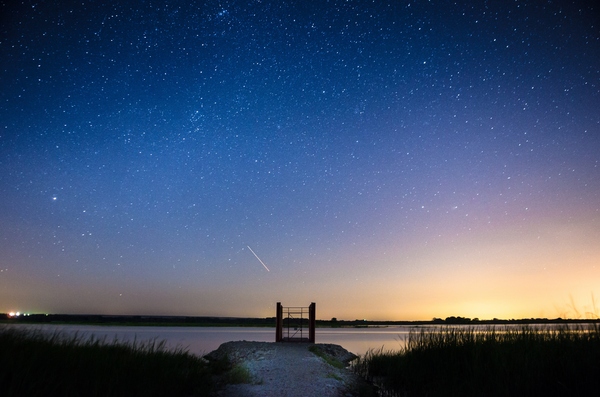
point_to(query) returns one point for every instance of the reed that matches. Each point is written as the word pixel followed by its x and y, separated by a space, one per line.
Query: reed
pixel 456 361
pixel 33 363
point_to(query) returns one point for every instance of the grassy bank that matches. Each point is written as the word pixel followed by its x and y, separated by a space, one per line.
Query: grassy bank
pixel 525 361
pixel 33 363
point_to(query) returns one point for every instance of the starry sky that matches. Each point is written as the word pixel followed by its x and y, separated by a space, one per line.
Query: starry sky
pixel 384 159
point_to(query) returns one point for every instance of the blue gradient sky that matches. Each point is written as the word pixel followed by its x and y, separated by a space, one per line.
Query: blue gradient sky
pixel 386 160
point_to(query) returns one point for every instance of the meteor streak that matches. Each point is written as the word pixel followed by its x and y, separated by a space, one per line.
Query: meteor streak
pixel 261 262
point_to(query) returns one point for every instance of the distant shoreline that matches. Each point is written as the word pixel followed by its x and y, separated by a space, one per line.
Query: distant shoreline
pixel 268 322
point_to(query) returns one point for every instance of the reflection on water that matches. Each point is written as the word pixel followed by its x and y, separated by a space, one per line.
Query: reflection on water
pixel 201 340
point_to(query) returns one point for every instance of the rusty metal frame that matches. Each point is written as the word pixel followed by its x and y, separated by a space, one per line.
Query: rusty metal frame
pixel 292 323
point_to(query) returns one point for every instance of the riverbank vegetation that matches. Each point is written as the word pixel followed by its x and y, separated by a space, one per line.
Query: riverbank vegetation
pixel 195 321
pixel 33 363
pixel 562 360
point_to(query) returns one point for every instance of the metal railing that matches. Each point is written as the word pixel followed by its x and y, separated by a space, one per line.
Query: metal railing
pixel 295 324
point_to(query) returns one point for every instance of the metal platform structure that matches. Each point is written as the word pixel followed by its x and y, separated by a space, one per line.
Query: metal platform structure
pixel 295 324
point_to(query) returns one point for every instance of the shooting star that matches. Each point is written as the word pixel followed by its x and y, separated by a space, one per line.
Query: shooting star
pixel 261 262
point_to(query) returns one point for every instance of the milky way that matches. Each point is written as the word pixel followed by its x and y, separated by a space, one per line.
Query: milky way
pixel 388 160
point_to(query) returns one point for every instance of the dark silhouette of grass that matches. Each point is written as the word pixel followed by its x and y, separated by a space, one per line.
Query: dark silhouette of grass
pixel 525 361
pixel 33 363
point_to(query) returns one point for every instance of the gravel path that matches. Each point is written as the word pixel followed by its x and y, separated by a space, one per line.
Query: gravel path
pixel 287 370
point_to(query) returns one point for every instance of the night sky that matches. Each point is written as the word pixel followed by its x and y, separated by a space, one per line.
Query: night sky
pixel 386 160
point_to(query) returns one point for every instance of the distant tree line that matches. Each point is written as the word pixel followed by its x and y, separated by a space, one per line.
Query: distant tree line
pixel 137 320
pixel 256 322
pixel 466 320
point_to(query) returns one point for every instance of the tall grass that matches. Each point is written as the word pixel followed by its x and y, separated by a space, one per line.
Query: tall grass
pixel 33 363
pixel 525 361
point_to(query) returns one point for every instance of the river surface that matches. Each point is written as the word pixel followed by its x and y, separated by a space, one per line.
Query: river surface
pixel 202 340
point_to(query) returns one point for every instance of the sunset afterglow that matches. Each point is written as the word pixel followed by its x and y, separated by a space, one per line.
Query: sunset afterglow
pixel 386 160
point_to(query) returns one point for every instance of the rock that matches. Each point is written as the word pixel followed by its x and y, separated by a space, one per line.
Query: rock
pixel 241 351
pixel 245 350
pixel 286 369
pixel 337 352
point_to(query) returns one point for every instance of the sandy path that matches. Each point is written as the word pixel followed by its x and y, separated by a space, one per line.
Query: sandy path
pixel 288 370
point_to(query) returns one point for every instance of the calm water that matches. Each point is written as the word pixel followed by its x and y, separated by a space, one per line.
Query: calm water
pixel 202 340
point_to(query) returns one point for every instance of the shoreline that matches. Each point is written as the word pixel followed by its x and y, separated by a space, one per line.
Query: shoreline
pixel 267 322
